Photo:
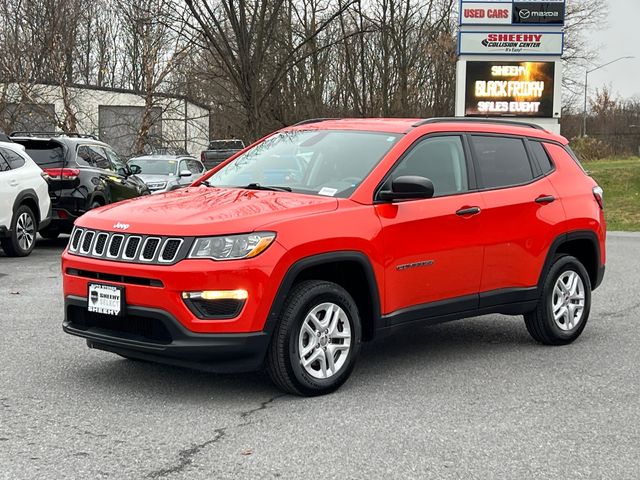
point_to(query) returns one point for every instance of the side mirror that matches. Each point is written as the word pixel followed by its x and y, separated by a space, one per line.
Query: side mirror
pixel 408 188
pixel 185 173
pixel 135 169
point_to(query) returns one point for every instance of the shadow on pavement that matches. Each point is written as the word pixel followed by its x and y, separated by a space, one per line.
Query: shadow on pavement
pixel 440 348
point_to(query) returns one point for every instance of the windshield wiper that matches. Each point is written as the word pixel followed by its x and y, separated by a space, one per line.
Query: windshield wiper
pixel 272 188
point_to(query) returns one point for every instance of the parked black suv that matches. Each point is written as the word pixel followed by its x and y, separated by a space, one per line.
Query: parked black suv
pixel 84 173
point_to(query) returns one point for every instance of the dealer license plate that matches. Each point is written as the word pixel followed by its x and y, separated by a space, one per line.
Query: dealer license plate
pixel 107 299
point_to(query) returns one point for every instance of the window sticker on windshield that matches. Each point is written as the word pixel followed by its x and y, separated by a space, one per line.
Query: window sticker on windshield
pixel 329 192
pixel 390 139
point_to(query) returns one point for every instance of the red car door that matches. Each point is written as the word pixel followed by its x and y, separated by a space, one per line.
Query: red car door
pixel 520 212
pixel 433 247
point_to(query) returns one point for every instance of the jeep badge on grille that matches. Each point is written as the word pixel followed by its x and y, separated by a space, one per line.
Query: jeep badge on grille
pixel 121 226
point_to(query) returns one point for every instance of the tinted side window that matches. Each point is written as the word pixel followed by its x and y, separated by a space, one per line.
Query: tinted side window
pixel 116 162
pixel 541 156
pixel 4 166
pixel 84 156
pixel 501 161
pixel 183 166
pixel 94 156
pixel 100 158
pixel 441 160
pixel 13 159
pixel 195 167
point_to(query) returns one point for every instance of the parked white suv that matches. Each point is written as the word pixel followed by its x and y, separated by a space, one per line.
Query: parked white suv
pixel 25 206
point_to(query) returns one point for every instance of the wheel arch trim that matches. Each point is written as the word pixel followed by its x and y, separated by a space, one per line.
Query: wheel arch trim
pixel 305 263
pixel 28 194
pixel 564 238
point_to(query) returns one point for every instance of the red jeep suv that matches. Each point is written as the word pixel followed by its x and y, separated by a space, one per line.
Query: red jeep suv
pixel 333 232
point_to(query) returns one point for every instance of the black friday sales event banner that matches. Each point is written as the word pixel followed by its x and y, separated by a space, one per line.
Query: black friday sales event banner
pixel 522 89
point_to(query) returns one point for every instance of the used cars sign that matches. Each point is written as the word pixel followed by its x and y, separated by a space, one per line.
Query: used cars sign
pixel 508 12
pixel 486 13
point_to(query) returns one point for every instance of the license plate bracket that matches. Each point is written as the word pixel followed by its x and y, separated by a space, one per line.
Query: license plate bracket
pixel 105 299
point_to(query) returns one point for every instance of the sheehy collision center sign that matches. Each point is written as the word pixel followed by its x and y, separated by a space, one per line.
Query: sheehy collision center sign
pixel 510 43
pixel 522 89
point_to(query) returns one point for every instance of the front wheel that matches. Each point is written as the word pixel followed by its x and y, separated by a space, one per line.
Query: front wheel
pixel 564 304
pixel 23 233
pixel 315 345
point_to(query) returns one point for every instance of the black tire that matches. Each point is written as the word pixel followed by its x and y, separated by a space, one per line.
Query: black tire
pixel 283 364
pixel 540 323
pixel 12 245
pixel 49 234
pixel 95 204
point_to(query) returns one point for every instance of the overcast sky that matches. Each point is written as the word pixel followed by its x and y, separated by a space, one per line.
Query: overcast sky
pixel 621 37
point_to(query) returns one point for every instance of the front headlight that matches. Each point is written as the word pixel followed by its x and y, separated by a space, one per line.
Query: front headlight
pixel 232 247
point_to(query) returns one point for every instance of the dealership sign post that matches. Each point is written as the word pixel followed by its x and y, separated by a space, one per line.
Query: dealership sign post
pixel 509 59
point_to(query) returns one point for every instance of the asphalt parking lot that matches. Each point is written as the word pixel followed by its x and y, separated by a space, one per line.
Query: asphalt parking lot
pixel 470 399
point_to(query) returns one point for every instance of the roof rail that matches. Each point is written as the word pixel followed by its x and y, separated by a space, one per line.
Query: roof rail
pixel 52 134
pixel 496 121
pixel 314 120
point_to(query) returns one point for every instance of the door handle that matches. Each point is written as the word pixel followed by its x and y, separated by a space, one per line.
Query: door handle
pixel 13 183
pixel 545 199
pixel 468 211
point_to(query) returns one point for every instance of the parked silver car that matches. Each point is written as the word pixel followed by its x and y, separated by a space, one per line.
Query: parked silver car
pixel 163 173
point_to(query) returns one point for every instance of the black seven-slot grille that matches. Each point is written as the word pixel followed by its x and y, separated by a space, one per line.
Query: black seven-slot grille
pixel 124 247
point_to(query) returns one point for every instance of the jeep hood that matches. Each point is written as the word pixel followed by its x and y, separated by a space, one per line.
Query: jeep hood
pixel 197 211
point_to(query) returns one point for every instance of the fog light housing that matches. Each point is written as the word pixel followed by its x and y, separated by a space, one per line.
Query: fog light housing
pixel 217 295
pixel 215 304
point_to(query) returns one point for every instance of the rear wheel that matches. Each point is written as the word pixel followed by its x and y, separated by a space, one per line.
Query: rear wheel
pixel 564 304
pixel 23 233
pixel 316 343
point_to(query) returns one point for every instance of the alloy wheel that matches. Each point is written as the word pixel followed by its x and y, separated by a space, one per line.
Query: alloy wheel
pixel 25 231
pixel 568 300
pixel 324 341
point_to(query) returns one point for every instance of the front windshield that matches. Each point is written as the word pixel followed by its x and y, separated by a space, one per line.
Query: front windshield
pixel 156 166
pixel 320 162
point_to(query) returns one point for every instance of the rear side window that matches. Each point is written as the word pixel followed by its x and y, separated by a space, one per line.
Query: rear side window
pixel 13 159
pixel 45 153
pixel 4 166
pixel 541 156
pixel 501 161
pixel 441 160
pixel 94 156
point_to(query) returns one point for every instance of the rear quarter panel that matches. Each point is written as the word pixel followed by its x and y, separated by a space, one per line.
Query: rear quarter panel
pixel 575 189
